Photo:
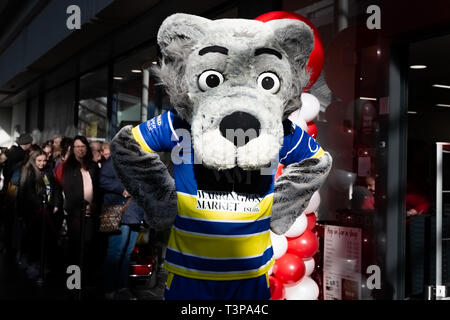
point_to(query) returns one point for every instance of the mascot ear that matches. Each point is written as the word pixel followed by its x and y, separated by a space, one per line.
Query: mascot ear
pixel 295 38
pixel 180 30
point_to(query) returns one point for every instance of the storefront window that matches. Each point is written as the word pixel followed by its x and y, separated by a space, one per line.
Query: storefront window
pixel 353 91
pixel 428 114
pixel 57 122
pixel 131 77
pixel 92 107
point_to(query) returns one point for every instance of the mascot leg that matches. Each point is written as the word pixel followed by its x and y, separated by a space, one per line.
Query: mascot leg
pixel 183 288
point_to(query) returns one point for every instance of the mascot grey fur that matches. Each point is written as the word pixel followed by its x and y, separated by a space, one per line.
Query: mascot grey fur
pixel 232 83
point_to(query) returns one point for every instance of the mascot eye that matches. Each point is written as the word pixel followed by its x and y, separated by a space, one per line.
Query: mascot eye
pixel 210 79
pixel 269 81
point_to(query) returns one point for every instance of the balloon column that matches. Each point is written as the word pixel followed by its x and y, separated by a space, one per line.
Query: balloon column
pixel 290 277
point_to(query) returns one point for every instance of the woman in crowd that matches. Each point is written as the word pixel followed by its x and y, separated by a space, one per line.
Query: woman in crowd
pixel 106 151
pixel 38 200
pixel 66 145
pixel 65 148
pixel 120 244
pixel 78 178
pixel 15 157
pixel 47 147
pixel 56 146
pixel 96 149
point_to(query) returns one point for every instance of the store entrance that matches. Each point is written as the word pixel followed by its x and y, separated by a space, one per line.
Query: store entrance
pixel 428 124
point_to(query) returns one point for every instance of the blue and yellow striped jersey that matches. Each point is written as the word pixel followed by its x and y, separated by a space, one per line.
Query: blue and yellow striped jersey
pixel 221 231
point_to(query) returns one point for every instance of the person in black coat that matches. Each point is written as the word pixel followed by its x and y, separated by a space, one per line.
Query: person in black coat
pixel 14 160
pixel 39 200
pixel 15 156
pixel 79 181
pixel 122 243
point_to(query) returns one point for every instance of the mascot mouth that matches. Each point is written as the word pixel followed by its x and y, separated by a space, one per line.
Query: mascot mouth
pixel 240 128
pixel 238 131
pixel 239 139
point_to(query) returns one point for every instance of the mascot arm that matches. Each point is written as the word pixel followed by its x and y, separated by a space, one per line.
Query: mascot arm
pixel 145 177
pixel 300 179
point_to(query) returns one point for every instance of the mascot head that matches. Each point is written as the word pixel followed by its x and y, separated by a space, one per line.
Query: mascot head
pixel 234 81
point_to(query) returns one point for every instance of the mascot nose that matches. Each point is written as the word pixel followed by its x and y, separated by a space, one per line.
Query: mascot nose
pixel 240 128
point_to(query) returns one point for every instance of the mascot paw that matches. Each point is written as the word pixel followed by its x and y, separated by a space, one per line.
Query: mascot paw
pixel 294 188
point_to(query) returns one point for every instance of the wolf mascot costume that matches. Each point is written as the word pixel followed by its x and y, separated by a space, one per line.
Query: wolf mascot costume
pixel 232 83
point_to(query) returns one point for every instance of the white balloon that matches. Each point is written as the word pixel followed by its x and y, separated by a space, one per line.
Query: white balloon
pixel 279 244
pixel 307 289
pixel 297 119
pixel 310 107
pixel 299 226
pixel 314 203
pixel 309 266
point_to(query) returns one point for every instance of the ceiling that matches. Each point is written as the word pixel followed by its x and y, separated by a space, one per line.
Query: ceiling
pixel 117 30
pixel 9 10
pixel 435 54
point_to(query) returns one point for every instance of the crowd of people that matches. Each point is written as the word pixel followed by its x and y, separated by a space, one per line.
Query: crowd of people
pixel 51 199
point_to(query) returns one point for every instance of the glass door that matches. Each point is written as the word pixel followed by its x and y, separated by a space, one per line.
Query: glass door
pixel 428 175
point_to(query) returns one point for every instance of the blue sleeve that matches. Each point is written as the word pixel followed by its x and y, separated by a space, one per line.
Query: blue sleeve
pixel 298 146
pixel 156 134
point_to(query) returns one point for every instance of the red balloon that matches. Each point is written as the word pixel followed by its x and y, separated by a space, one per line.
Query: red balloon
pixel 312 129
pixel 311 221
pixel 277 290
pixel 304 246
pixel 316 59
pixel 289 269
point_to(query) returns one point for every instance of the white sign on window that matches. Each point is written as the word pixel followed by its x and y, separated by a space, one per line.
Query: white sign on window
pixel 342 263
